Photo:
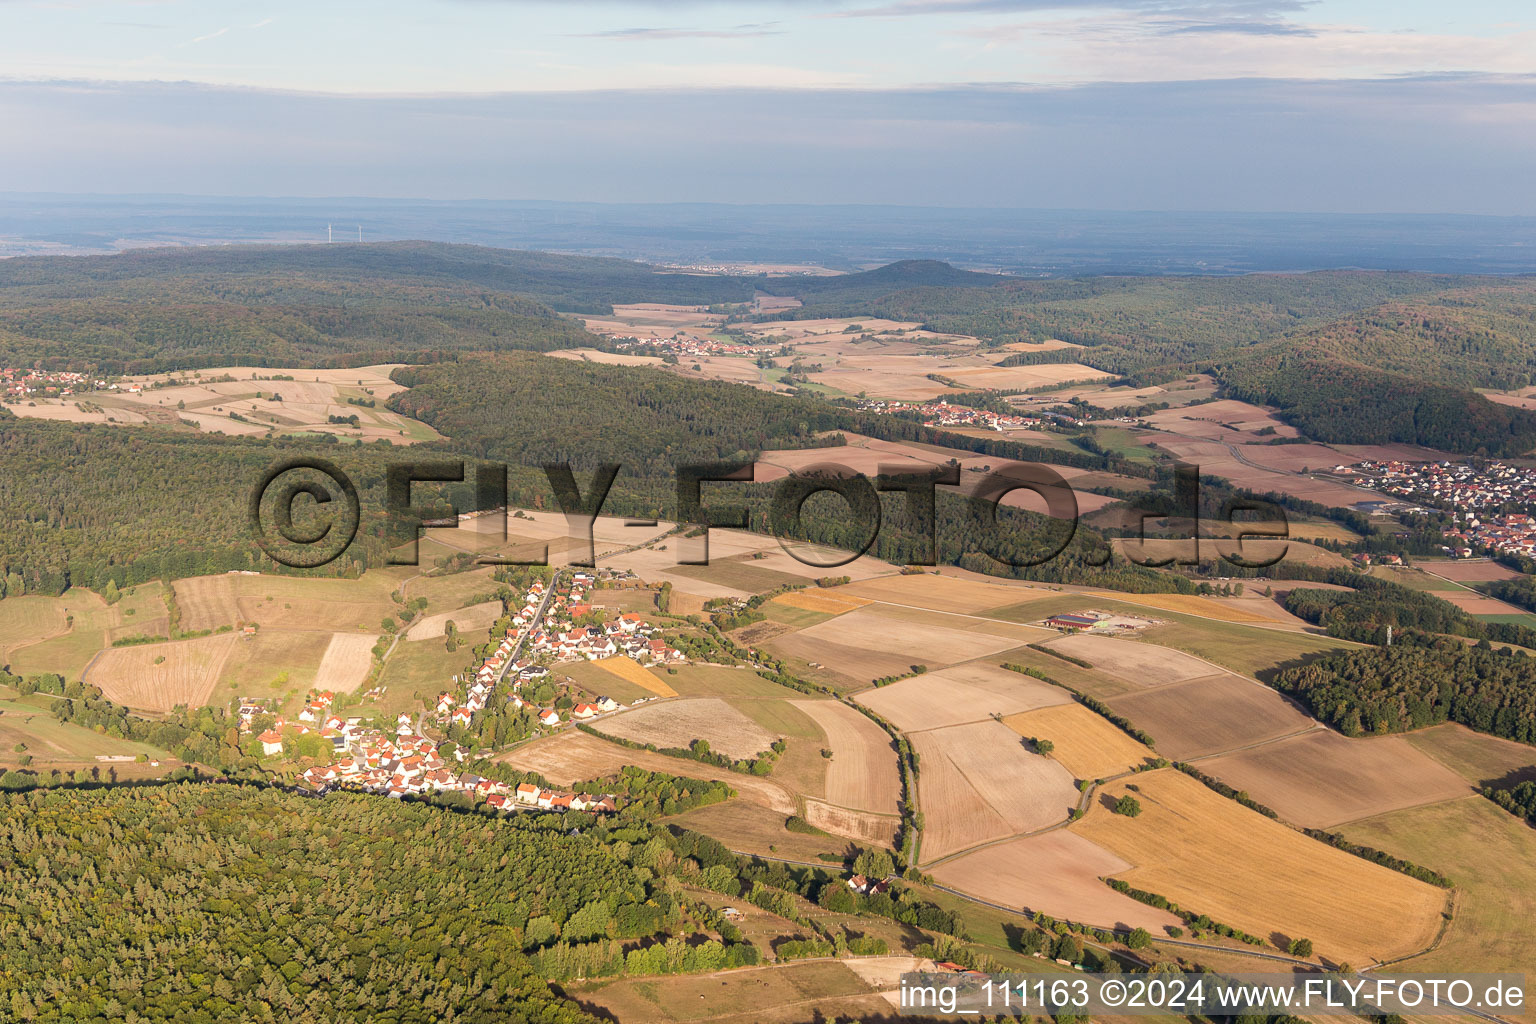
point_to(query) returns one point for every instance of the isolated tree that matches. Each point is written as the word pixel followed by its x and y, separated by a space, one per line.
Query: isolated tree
pixel 1128 806
pixel 873 863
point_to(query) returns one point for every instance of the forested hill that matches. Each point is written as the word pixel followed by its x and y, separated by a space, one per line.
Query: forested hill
pixel 300 273
pixel 313 305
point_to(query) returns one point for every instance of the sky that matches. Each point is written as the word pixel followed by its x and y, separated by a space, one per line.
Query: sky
pixel 1304 105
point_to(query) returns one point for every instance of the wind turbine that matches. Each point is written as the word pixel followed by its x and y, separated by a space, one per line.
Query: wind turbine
pixel 327 234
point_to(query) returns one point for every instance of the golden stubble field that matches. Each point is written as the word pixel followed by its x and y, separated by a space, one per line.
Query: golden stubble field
pixel 1321 779
pixel 1212 855
pixel 157 677
pixel 970 692
pixel 1085 743
pixel 862 774
pixel 1057 873
pixel 978 782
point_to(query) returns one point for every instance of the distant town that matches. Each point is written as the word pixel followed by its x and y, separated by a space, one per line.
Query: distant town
pixel 1490 503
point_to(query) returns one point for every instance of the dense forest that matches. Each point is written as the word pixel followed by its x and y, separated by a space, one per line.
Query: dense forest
pixel 341 305
pixel 227 903
pixel 83 504
pixel 1421 680
pixel 240 902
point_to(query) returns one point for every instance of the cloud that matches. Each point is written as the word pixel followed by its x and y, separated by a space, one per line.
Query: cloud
pixel 1234 144
pixel 906 8
pixel 739 32
pixel 1251 28
pixel 211 35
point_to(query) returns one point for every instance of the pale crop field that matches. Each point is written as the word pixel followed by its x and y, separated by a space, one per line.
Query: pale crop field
pixel 1212 714
pixel 571 756
pixel 1085 743
pixel 977 782
pixel 1136 662
pixel 471 621
pixel 677 723
pixel 1058 873
pixel 862 774
pixel 962 693
pixel 1321 779
pixel 1212 855
pixel 346 662
pixel 157 677
pixel 632 671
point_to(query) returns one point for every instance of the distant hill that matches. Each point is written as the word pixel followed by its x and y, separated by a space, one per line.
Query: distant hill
pixel 262 274
pixel 314 305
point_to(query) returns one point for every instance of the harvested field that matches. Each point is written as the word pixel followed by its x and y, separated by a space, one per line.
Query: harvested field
pixel 927 639
pixel 1472 570
pixel 1481 759
pixel 1226 420
pixel 740 576
pixel 308 403
pixel 848 666
pixel 1132 660
pixel 206 602
pixel 28 620
pixel 1215 713
pixel 296 603
pixel 1193 605
pixel 633 672
pixel 1057 873
pixel 862 773
pixel 1085 743
pixel 1214 856
pixel 1479 604
pixel 476 618
pixel 571 756
pixel 749 827
pixel 1491 855
pixel 943 593
pixel 977 782
pixel 157 677
pixel 348 657
pixel 963 693
pixel 678 723
pixel 811 601
pixel 860 826
pixel 1321 779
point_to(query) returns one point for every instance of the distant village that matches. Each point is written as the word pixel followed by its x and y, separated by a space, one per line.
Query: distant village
pixel 24 383
pixel 685 345
pixel 942 414
pixel 408 762
pixel 1490 503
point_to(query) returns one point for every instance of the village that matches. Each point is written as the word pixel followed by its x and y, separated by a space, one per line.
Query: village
pixel 942 414
pixel 544 632
pixel 1490 503
pixel 21 383
pixel 683 345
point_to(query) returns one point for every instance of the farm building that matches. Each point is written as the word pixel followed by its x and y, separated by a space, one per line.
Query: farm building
pixel 1074 620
